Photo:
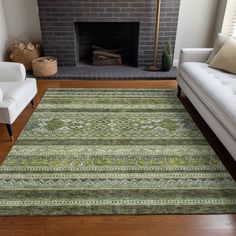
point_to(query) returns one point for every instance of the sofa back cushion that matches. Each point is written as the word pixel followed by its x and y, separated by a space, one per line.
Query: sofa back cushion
pixel 219 43
pixel 226 57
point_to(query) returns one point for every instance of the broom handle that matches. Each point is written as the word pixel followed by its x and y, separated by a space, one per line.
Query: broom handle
pixel 157 28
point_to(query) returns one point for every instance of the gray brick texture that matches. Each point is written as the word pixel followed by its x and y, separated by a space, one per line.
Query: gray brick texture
pixel 57 18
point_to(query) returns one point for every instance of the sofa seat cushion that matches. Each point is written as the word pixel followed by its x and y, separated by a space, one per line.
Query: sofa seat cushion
pixel 16 97
pixel 217 89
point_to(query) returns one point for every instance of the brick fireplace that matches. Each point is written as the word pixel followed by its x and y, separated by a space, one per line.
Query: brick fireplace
pixel 63 25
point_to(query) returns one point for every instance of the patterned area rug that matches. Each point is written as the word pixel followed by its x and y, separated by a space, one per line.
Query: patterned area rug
pixel 113 151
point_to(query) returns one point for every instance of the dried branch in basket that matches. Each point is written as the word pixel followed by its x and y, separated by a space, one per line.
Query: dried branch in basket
pixel 25 51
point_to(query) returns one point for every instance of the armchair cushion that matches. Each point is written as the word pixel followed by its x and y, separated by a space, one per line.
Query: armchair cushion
pixel 12 72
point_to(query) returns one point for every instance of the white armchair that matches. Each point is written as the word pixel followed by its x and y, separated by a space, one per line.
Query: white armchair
pixel 16 92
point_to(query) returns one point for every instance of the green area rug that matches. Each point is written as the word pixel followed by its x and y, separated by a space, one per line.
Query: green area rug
pixel 113 151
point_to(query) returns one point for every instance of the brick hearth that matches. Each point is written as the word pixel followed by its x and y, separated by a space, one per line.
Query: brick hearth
pixel 123 72
pixel 58 19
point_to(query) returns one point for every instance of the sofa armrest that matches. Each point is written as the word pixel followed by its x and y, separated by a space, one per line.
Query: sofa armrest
pixel 194 55
pixel 12 72
pixel 1 95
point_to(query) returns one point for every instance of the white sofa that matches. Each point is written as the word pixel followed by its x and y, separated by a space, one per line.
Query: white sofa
pixel 212 92
pixel 16 92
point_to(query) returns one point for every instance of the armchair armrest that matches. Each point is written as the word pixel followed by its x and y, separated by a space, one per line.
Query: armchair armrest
pixel 12 72
pixel 194 55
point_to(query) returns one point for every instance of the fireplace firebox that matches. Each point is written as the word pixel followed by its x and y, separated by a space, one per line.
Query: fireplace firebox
pixel 108 35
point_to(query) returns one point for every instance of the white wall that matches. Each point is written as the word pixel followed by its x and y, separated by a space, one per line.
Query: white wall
pixel 22 18
pixel 3 32
pixel 196 25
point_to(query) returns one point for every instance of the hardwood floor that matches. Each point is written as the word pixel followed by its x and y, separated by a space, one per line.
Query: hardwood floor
pixel 120 226
pixel 171 225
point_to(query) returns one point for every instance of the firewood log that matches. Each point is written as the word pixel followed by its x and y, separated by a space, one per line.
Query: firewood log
pixel 117 50
pixel 100 57
pixel 107 62
pixel 107 54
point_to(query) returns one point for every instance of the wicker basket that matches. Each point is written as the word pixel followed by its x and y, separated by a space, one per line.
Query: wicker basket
pixel 44 66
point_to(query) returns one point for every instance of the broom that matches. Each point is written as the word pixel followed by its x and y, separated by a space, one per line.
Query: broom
pixel 157 28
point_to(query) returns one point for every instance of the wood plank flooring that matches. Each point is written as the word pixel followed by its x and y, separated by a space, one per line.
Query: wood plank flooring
pixel 163 225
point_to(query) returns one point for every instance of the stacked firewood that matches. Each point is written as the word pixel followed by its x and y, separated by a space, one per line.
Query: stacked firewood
pixel 105 57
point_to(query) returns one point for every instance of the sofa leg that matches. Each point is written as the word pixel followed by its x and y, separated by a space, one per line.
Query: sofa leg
pixel 179 91
pixel 10 132
pixel 32 103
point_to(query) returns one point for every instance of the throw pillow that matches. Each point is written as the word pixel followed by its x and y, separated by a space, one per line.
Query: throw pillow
pixel 219 43
pixel 1 95
pixel 226 57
